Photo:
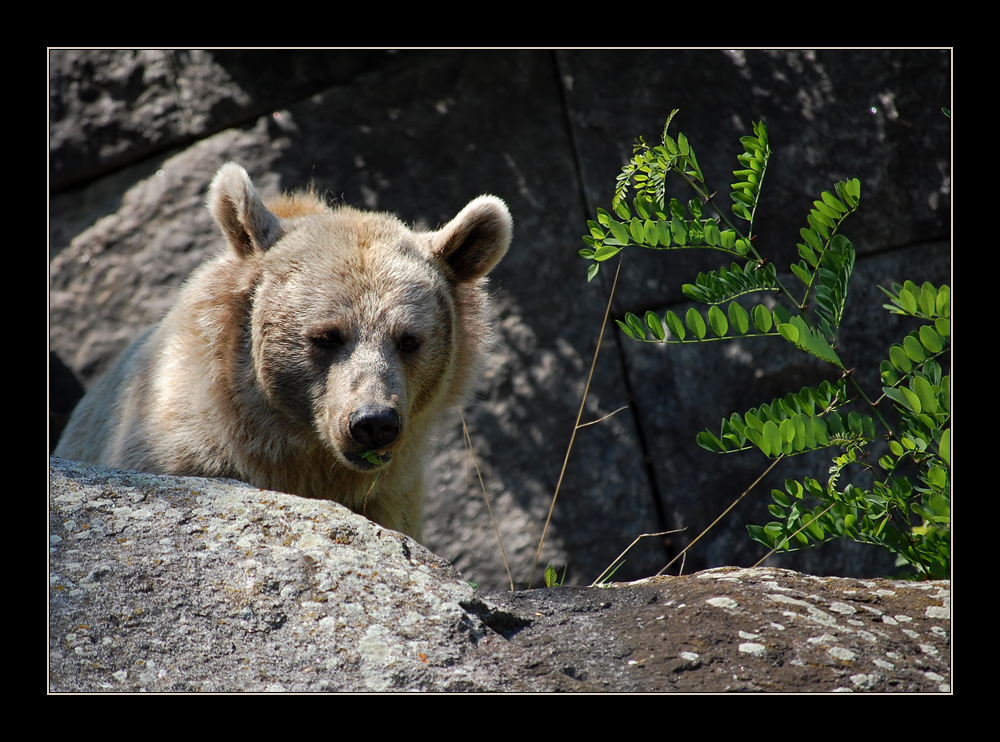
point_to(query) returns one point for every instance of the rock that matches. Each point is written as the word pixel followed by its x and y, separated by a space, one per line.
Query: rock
pixel 184 584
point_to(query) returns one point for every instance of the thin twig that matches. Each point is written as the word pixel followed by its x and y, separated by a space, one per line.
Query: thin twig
pixel 576 426
pixel 723 515
pixel 602 419
pixel 804 526
pixel 475 463
pixel 615 561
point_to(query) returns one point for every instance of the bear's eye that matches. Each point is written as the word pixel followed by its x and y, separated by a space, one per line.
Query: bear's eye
pixel 330 339
pixel 410 343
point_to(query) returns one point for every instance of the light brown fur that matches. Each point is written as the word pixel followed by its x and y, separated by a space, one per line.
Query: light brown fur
pixel 319 335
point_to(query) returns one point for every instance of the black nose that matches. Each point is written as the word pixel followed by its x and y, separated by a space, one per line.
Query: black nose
pixel 374 426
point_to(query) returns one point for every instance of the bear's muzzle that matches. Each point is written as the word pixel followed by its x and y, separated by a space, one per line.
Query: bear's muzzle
pixel 375 427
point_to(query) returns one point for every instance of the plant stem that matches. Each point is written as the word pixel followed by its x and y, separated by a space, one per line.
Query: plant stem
pixel 577 426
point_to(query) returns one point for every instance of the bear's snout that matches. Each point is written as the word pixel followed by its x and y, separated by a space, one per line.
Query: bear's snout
pixel 376 427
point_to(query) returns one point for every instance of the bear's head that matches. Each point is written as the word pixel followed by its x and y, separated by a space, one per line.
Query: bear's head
pixel 360 331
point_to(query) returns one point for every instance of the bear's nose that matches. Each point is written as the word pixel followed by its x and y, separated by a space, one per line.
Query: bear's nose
pixel 375 426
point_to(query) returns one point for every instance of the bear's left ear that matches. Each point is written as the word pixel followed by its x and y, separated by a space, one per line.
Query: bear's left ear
pixel 240 213
pixel 473 242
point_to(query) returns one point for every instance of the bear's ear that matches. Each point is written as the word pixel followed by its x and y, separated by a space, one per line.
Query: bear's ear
pixel 238 210
pixel 473 242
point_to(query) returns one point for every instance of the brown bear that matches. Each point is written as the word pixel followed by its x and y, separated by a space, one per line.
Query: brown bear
pixel 315 356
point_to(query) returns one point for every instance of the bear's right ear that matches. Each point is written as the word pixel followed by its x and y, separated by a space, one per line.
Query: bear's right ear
pixel 238 210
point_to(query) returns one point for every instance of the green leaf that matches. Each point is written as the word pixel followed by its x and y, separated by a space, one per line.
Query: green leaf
pixel 925 393
pixel 773 437
pixel 635 325
pixel 626 329
pixel 944 447
pixel 761 536
pixel 695 323
pixel 927 299
pixel 942 305
pixel 912 401
pixel 620 232
pixel 655 326
pixel 762 319
pixel 713 236
pixel 650 234
pixel 790 333
pixel 678 231
pixel 606 252
pixel 741 196
pixel 637 230
pixel 799 440
pixel 899 358
pixel 914 349
pixel 809 255
pixel 908 301
pixel 827 211
pixel 675 325
pixel 663 234
pixel 801 273
pixel 739 318
pixel 757 438
pixel 753 422
pixel 812 239
pixel 787 431
pixel 709 442
pixel 717 321
pixel 930 339
pixel 854 423
pixel 830 200
pixel 640 203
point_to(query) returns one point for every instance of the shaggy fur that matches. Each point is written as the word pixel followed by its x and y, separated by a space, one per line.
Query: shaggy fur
pixel 321 335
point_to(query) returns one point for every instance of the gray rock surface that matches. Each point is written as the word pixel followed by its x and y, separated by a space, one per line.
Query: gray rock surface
pixel 187 584
pixel 136 136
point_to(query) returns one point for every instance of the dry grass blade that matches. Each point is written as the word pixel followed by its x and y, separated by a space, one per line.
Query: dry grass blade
pixel 722 515
pixel 496 529
pixel 611 566
pixel 804 526
pixel 577 426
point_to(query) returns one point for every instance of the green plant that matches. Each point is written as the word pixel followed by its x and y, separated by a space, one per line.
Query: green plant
pixel 372 457
pixel 903 503
pixel 552 578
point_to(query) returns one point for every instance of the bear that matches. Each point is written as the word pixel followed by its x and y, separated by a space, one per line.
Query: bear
pixel 317 355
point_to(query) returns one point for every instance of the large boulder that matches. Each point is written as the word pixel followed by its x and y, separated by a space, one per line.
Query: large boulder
pixel 184 584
